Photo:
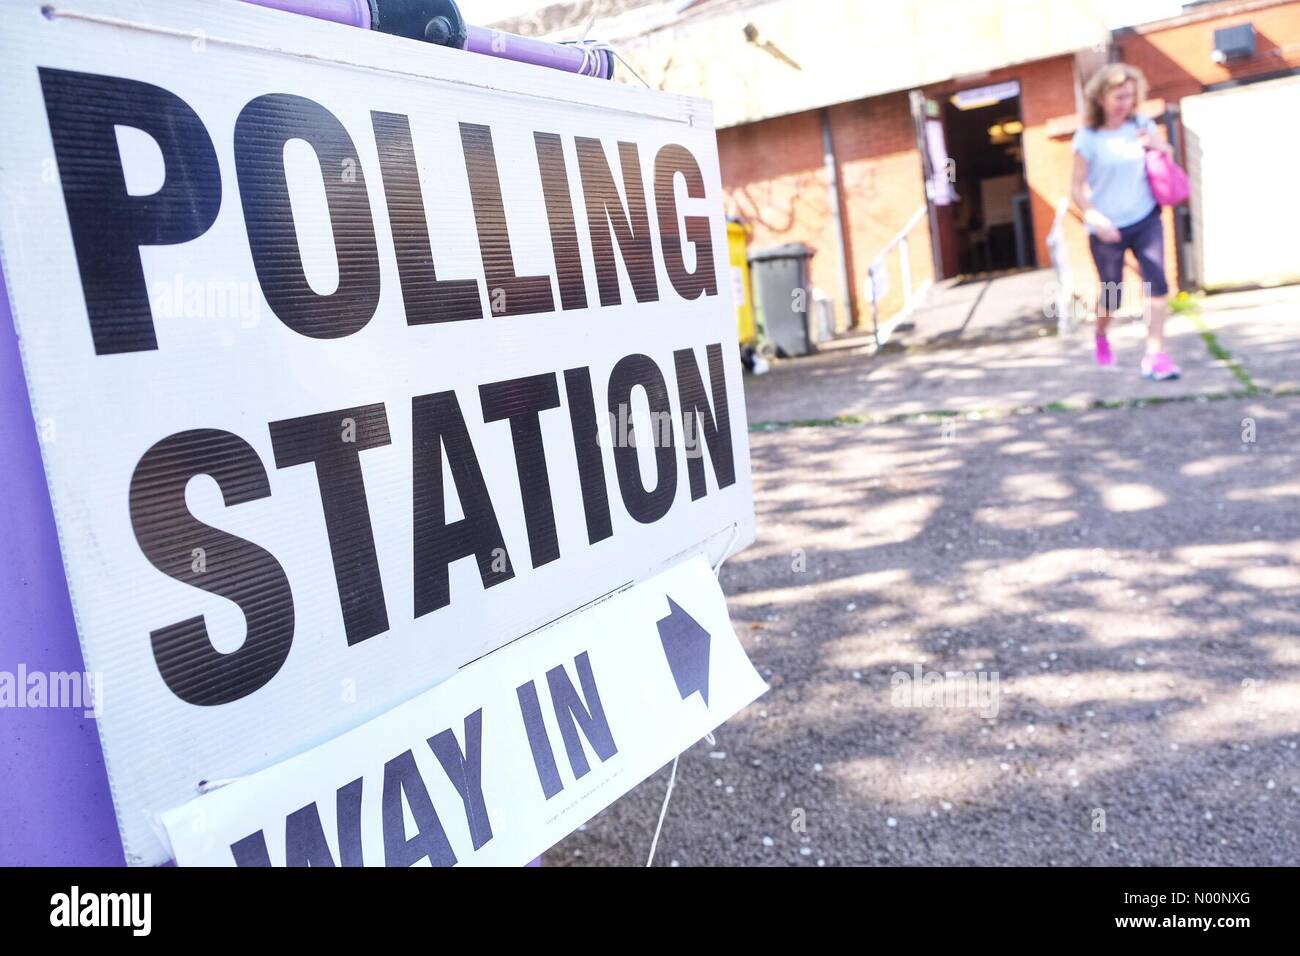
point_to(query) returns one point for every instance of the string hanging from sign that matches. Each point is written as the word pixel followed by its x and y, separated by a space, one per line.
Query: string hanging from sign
pixel 672 776
pixel 591 50
pixel 663 812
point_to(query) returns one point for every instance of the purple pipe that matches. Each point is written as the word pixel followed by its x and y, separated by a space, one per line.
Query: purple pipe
pixel 557 56
pixel 55 805
pixel 507 46
pixel 354 13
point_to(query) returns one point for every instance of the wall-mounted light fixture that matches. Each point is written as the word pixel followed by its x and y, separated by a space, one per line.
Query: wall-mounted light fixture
pixel 767 46
pixel 1234 43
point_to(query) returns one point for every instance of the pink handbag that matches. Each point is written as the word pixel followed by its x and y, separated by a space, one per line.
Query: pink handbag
pixel 1169 184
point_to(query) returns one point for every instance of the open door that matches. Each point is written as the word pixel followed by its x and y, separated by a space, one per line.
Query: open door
pixel 935 170
pixel 991 226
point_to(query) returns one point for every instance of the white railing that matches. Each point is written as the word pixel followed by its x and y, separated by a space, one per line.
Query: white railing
pixel 1067 311
pixel 876 286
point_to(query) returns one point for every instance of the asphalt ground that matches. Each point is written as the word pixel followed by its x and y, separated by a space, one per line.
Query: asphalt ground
pixel 1120 584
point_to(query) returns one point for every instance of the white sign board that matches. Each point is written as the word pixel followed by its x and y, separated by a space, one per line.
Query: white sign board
pixel 501 761
pixel 353 358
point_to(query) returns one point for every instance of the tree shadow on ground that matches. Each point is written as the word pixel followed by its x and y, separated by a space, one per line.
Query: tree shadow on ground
pixel 1132 577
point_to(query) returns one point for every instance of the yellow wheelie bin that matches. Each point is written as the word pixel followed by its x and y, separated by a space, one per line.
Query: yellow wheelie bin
pixel 737 241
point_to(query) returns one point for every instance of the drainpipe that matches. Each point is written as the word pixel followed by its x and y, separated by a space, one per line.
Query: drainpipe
pixel 833 197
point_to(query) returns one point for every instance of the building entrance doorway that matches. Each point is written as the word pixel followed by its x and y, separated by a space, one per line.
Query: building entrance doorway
pixel 987 226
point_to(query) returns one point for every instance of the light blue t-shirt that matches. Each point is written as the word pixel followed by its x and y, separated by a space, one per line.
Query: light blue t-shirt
pixel 1117 172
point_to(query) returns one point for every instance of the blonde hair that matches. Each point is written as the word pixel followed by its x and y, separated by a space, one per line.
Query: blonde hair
pixel 1103 81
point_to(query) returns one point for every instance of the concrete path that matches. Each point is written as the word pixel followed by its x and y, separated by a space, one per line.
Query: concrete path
pixel 966 311
pixel 1263 327
pixel 1026 365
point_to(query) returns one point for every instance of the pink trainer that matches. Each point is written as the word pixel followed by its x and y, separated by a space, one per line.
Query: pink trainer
pixel 1159 367
pixel 1104 355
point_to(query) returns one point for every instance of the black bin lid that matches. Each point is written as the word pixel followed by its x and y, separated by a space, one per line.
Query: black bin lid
pixel 791 250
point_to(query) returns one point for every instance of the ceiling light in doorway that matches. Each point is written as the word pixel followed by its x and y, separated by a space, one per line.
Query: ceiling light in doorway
pixel 1005 132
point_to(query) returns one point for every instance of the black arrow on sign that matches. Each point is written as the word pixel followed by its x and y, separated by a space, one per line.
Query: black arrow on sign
pixel 686 645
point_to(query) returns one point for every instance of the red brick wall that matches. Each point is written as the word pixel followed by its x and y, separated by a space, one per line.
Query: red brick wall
pixel 775 181
pixel 775 178
pixel 1175 55
pixel 882 184
pixel 1047 108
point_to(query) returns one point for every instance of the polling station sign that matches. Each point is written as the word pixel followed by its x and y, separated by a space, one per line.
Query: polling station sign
pixel 353 359
pixel 505 758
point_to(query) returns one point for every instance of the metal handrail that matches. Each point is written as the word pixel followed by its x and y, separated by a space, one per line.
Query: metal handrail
pixel 901 236
pixel 900 242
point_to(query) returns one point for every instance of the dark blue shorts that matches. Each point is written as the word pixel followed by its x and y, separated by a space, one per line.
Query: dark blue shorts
pixel 1146 238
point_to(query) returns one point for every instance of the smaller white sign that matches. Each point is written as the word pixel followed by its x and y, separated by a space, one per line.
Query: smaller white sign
pixel 985 95
pixel 877 284
pixel 504 759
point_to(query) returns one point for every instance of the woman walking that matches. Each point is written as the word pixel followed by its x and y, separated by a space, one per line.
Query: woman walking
pixel 1111 190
